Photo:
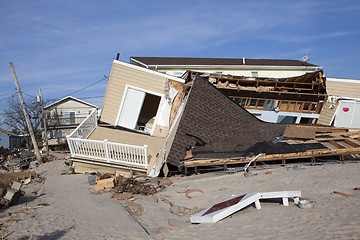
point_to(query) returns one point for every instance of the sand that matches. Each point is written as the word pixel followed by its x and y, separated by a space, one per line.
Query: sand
pixel 76 212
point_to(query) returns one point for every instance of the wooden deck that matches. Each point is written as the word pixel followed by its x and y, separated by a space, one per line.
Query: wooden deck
pixel 125 137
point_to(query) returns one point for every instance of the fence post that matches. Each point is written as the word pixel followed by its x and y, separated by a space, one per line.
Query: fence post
pixel 146 156
pixel 70 146
pixel 106 150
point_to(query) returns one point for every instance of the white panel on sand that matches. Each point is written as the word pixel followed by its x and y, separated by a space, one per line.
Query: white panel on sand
pixel 229 206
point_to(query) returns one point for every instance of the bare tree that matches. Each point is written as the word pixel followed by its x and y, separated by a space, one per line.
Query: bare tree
pixel 14 119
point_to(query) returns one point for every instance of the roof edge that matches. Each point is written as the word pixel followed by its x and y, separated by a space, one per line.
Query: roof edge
pixel 73 98
pixel 149 71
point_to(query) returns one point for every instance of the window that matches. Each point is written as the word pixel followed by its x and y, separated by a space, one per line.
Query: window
pixel 254 74
pixel 178 74
pixel 69 117
pixel 138 109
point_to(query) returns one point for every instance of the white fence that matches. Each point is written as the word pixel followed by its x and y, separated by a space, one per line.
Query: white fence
pixel 104 150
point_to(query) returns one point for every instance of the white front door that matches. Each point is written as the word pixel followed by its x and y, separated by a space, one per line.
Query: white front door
pixel 129 113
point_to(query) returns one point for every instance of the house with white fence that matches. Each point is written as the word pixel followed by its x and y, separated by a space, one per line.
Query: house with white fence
pixel 137 114
pixel 152 121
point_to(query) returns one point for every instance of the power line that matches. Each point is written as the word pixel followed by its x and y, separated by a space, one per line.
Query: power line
pixel 105 78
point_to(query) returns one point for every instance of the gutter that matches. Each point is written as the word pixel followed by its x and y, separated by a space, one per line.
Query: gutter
pixel 141 63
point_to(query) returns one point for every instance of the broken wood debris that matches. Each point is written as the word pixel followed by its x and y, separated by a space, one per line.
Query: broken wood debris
pixel 339 143
pixel 136 186
pixel 343 194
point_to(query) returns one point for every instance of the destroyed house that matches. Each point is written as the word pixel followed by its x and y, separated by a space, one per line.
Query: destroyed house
pixel 152 121
pixel 278 100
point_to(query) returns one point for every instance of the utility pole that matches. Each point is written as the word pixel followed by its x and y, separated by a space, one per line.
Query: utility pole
pixel 45 123
pixel 31 131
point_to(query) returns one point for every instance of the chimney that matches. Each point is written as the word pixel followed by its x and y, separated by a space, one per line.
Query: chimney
pixel 244 60
pixel 117 56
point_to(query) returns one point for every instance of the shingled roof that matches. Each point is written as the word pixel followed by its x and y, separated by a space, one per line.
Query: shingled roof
pixel 211 119
pixel 181 61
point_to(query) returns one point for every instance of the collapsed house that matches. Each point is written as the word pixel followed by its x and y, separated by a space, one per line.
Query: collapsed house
pixel 152 121
pixel 279 100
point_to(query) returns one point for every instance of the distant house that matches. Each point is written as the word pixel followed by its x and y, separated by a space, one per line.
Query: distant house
pixel 342 108
pixel 63 116
pixel 9 140
pixel 275 68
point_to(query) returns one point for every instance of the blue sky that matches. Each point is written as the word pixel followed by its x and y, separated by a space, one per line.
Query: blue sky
pixel 64 46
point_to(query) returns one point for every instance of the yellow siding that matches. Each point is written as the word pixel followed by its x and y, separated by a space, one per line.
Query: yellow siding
pixel 343 89
pixel 120 76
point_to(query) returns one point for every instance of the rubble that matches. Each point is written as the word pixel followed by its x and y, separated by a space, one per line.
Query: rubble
pixel 134 186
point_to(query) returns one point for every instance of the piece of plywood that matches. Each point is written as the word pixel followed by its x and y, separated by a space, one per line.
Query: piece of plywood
pixel 104 184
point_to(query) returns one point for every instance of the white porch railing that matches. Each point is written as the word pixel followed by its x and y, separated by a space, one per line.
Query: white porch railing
pixel 86 127
pixel 104 150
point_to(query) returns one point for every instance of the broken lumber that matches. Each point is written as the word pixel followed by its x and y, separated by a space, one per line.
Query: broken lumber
pixel 104 184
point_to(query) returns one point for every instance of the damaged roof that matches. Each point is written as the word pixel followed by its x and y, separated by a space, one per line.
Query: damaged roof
pixel 180 61
pixel 220 125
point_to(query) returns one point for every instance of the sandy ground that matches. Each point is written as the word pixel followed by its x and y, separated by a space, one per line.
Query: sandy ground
pixel 75 212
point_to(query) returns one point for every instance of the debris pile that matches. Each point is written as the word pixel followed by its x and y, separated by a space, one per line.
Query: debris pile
pixel 138 185
pixel 132 185
pixel 10 186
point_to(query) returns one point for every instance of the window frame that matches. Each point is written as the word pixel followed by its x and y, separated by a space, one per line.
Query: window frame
pixel 127 87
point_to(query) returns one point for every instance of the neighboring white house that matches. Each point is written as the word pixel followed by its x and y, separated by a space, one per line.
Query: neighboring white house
pixel 276 68
pixel 9 140
pixel 342 108
pixel 63 116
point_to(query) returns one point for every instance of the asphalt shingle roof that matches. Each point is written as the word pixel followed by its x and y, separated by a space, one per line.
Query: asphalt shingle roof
pixel 225 127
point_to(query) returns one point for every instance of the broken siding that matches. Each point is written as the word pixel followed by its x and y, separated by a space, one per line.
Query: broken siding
pixel 343 89
pixel 326 114
pixel 121 76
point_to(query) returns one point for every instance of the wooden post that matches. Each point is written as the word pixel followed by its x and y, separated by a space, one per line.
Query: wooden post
pixel 45 126
pixel 27 118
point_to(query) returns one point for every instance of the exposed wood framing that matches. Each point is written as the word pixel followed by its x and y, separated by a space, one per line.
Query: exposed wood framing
pixel 346 144
pixel 177 100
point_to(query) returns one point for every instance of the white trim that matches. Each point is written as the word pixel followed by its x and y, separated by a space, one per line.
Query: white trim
pixel 141 63
pixel 73 98
pixel 356 81
pixel 149 71
pixel 162 96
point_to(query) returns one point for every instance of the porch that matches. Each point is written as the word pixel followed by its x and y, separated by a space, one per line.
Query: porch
pixel 103 145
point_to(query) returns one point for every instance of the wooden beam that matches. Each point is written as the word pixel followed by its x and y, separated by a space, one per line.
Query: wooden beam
pixel 337 145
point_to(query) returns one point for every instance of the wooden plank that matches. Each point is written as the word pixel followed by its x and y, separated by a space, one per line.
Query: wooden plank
pixel 104 184
pixel 337 145
pixel 293 131
pixel 352 142
pixel 337 134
